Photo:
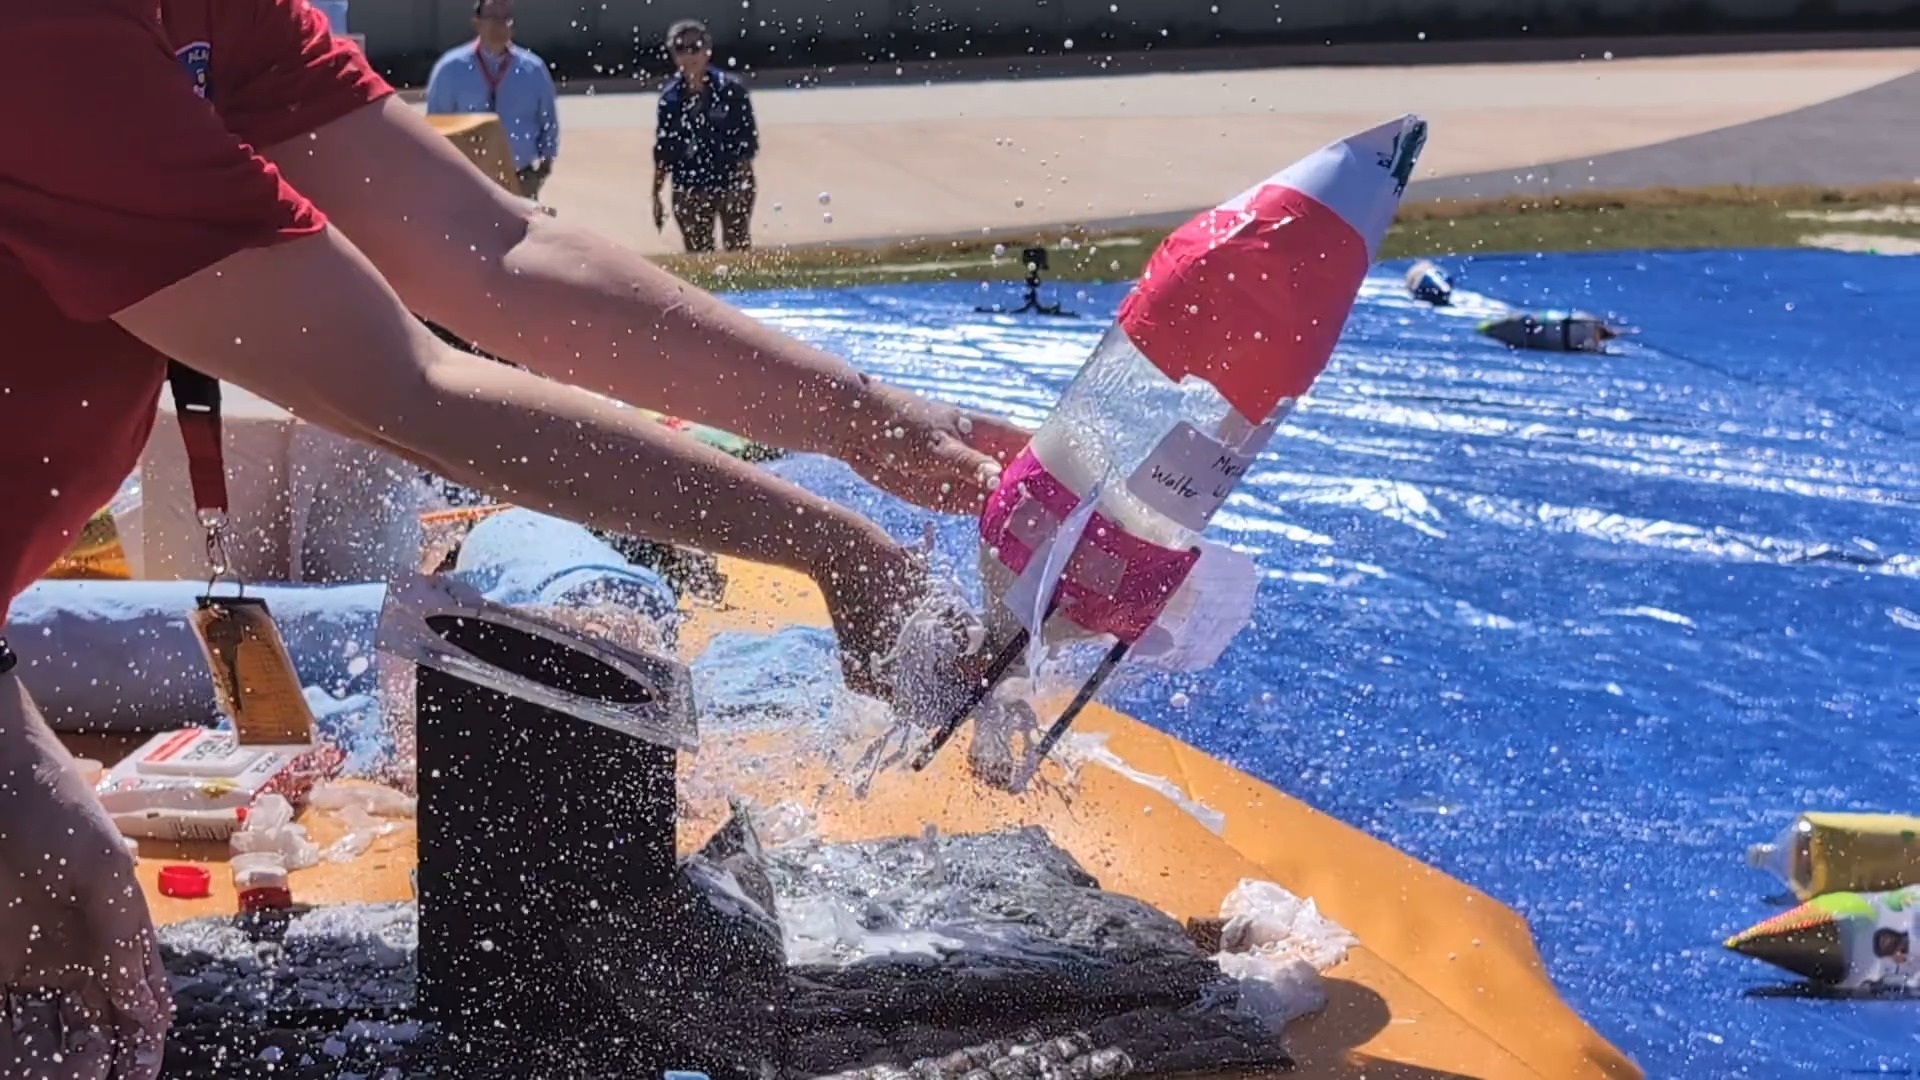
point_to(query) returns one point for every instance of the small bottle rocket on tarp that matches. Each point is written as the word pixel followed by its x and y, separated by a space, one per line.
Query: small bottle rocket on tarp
pixel 1429 283
pixel 1850 940
pixel 1551 331
pixel 1827 852
pixel 1095 529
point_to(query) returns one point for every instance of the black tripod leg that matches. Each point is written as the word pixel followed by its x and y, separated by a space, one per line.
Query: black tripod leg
pixel 1087 690
pixel 990 679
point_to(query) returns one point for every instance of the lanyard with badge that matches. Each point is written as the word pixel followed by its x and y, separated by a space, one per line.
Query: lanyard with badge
pixel 493 76
pixel 254 681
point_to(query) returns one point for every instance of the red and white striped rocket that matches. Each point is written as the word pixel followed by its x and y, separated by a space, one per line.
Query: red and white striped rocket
pixel 1249 297
pixel 1252 295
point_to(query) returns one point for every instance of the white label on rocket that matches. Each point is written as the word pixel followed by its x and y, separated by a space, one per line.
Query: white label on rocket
pixel 1190 474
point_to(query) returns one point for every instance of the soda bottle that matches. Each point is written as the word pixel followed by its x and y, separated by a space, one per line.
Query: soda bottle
pixel 1822 853
pixel 1236 315
pixel 1096 525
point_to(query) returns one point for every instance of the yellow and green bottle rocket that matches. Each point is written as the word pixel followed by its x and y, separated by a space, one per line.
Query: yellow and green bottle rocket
pixel 1833 852
pixel 1850 940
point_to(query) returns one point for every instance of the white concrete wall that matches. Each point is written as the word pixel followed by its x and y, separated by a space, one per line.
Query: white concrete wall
pixel 750 27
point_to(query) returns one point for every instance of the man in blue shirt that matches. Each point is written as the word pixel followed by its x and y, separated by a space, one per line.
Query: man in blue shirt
pixel 705 138
pixel 491 74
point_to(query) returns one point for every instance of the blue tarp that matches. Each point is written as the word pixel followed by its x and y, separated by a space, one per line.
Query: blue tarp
pixel 1575 628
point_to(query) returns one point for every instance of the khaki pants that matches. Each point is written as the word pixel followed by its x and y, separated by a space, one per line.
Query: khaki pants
pixel 530 181
pixel 695 208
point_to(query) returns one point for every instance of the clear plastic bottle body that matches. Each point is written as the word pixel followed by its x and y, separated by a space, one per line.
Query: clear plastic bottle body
pixel 1823 851
pixel 1111 419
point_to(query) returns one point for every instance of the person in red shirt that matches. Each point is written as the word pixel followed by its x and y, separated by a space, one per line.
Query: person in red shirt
pixel 224 183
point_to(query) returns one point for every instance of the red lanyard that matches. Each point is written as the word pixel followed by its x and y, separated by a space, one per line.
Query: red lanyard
pixel 488 72
pixel 196 401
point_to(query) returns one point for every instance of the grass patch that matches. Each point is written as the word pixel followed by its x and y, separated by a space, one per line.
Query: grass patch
pixel 1664 218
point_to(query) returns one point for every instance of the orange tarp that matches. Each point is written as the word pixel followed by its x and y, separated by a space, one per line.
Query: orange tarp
pixel 1445 981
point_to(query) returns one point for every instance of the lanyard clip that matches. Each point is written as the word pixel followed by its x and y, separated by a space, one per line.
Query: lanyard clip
pixel 219 553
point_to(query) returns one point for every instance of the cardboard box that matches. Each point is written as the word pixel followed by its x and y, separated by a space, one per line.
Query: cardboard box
pixel 483 139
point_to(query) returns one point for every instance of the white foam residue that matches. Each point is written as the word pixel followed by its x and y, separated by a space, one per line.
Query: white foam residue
pixel 1645 612
pixel 820 930
pixel 1277 945
pixel 920 669
pixel 1903 617
pixel 1090 748
pixel 786 824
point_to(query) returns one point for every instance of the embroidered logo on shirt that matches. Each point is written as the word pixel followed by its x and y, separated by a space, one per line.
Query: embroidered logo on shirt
pixel 197 60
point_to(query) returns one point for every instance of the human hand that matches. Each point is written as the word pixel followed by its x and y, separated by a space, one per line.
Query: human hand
pixel 79 964
pixel 928 452
pixel 870 585
pixel 659 213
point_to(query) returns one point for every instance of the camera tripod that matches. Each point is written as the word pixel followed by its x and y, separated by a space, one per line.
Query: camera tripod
pixel 1036 260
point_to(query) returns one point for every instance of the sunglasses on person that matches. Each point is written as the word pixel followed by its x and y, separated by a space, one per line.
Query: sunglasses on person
pixel 688 46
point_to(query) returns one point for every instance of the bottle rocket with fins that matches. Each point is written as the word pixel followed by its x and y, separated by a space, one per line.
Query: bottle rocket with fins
pixel 1095 529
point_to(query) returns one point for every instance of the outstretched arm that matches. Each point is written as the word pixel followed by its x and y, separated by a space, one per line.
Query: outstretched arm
pixel 585 310
pixel 311 326
pixel 169 224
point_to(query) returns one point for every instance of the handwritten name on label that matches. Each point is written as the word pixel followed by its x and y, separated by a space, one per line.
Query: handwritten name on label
pixel 1189 475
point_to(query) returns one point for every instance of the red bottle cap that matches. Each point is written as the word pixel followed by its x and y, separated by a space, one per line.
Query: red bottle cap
pixel 184 882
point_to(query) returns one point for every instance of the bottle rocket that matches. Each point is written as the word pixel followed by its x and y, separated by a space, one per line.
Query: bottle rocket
pixel 1095 528
pixel 1822 853
pixel 1850 940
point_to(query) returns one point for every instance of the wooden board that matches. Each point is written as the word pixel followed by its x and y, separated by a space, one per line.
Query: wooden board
pixel 1445 982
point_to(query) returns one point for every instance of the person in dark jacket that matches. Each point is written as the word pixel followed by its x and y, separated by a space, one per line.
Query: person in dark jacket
pixel 705 138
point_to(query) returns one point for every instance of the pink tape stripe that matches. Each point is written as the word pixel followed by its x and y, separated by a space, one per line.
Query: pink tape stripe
pixel 1115 583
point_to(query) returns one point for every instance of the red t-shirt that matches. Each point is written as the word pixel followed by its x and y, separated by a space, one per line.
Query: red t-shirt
pixel 129 163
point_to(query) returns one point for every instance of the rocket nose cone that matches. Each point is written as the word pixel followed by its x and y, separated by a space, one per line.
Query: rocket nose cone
pixel 1814 952
pixel 1395 145
pixel 1363 176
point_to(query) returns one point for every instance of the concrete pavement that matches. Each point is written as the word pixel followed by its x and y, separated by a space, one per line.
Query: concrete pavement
pixel 960 157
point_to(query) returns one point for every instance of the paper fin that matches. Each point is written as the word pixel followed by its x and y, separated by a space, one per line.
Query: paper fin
pixel 1210 609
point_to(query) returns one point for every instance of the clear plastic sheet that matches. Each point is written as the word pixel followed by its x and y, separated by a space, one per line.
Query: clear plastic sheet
pixel 405 634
